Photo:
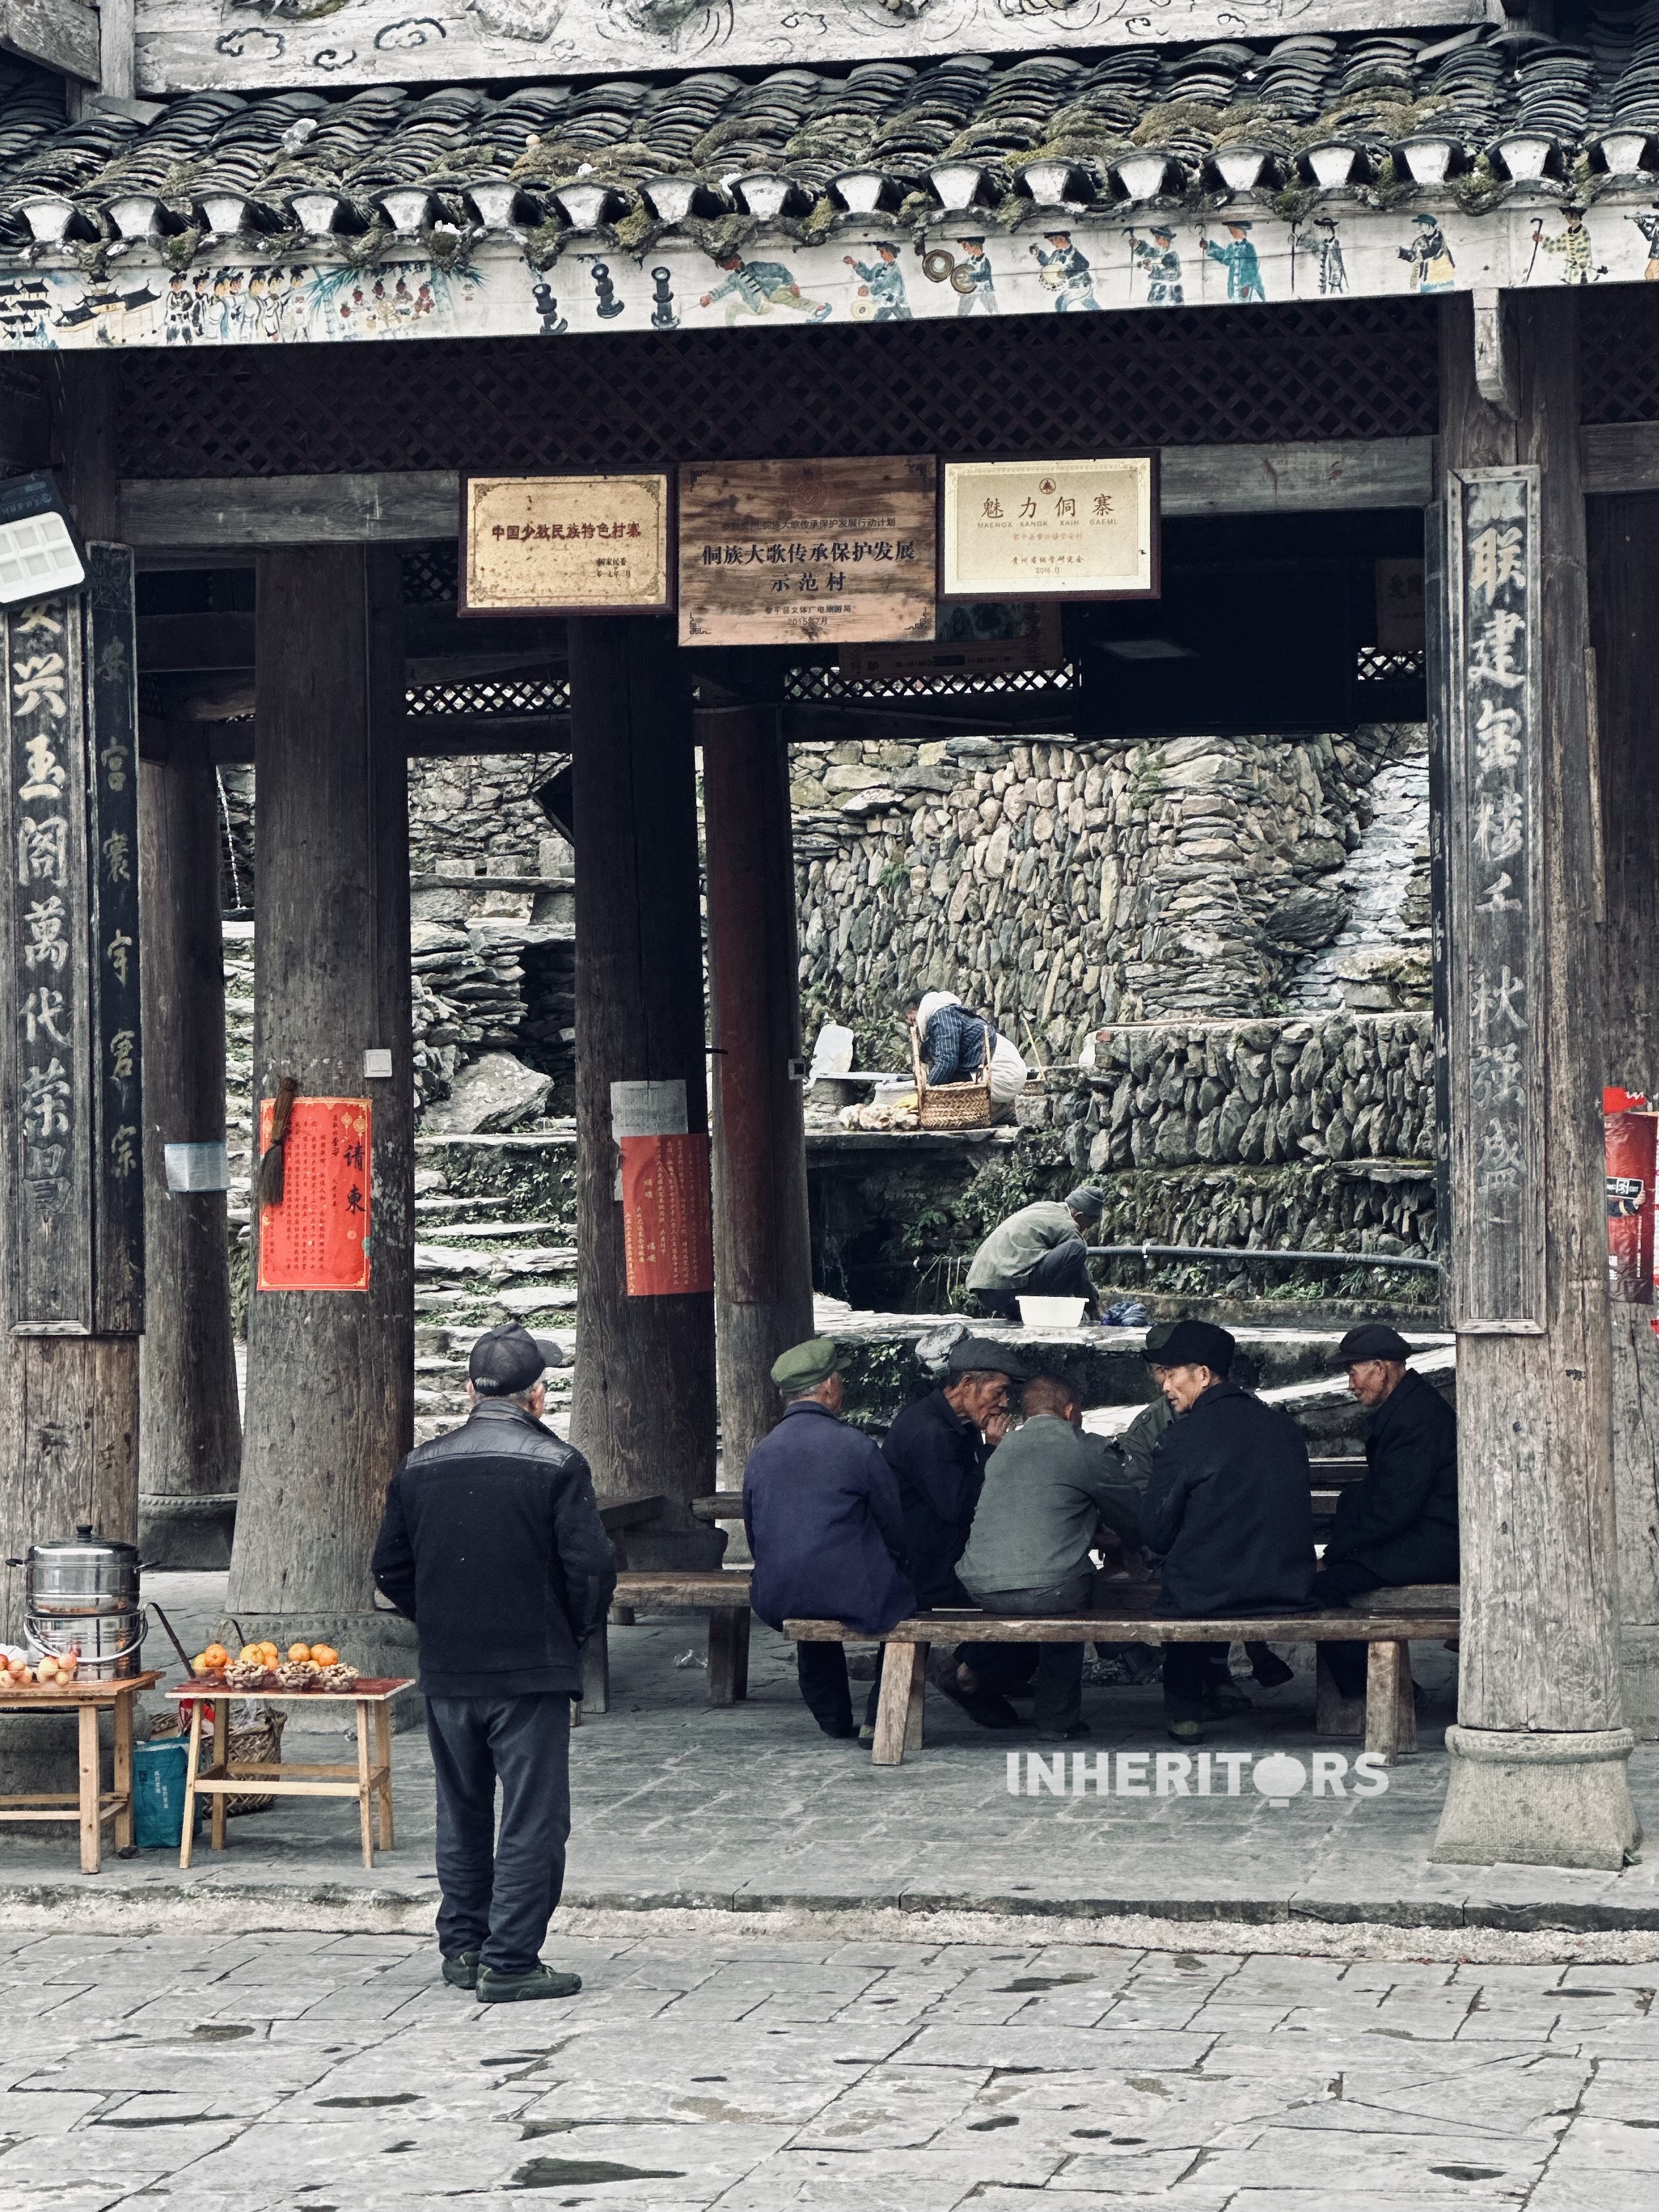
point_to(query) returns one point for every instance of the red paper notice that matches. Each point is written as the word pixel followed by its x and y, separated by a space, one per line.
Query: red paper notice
pixel 667 1220
pixel 318 1238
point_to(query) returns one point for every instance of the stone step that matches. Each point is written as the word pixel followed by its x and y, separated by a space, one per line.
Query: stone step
pixel 443 1262
pixel 528 1231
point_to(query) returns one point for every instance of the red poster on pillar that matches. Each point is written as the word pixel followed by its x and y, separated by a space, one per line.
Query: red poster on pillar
pixel 318 1238
pixel 1630 1142
pixel 667 1218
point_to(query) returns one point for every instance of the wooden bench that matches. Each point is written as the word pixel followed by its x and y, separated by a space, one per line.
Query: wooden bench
pixel 723 1596
pixel 1390 1715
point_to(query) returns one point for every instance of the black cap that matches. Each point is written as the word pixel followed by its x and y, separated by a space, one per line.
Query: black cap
pixel 1196 1344
pixel 1372 1340
pixel 507 1360
pixel 973 1355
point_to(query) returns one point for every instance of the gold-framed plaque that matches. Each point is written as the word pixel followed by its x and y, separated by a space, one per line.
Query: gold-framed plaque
pixel 1076 529
pixel 566 545
pixel 807 552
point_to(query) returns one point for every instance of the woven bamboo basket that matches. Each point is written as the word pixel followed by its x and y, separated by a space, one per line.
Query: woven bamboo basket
pixel 952 1105
pixel 258 1745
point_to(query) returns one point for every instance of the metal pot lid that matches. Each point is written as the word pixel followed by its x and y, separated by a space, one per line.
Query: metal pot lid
pixel 84 1545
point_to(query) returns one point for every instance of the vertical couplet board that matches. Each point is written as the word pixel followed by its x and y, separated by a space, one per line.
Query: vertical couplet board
pixel 1436 655
pixel 1494 737
pixel 50 1106
pixel 111 691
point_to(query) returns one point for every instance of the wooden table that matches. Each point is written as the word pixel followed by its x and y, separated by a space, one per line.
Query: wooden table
pixel 88 1804
pixel 369 1781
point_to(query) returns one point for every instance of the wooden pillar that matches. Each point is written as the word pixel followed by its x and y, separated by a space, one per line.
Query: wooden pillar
pixel 190 1438
pixel 762 1247
pixel 1623 535
pixel 69 1347
pixel 330 1408
pixel 644 1399
pixel 1538 1754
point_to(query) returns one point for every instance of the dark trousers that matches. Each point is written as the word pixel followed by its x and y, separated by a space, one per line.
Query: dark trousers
pixel 1334 1586
pixel 499 1900
pixel 1187 1668
pixel 1062 1272
pixel 1053 1670
pixel 822 1668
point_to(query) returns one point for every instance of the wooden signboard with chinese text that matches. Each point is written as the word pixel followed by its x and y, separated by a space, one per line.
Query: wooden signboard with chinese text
pixel 1056 530
pixel 667 1220
pixel 318 1239
pixel 1494 735
pixel 566 545
pixel 807 552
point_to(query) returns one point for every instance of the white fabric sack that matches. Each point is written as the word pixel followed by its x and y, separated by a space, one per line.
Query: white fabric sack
pixel 1008 1072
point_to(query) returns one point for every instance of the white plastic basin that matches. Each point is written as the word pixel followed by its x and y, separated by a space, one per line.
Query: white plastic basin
pixel 1051 1313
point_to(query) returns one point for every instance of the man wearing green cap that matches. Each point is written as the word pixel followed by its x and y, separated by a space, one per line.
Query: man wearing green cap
pixel 821 1510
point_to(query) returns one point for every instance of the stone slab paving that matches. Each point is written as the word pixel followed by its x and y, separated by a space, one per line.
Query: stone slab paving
pixel 750 1810
pixel 318 2073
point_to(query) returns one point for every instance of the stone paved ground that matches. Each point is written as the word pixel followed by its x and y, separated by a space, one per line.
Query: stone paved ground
pixel 327 2074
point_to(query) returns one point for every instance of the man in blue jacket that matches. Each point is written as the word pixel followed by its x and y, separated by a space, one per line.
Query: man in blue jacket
pixel 492 1545
pixel 1228 1505
pixel 821 1510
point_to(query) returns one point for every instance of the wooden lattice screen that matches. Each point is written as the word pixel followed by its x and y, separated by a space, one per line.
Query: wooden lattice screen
pixel 1337 369
pixel 1619 353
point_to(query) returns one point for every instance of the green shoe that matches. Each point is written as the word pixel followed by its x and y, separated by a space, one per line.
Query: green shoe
pixel 1187 1731
pixel 515 1989
pixel 461 1969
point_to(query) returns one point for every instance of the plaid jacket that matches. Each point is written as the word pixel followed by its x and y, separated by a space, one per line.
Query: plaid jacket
pixel 957 1045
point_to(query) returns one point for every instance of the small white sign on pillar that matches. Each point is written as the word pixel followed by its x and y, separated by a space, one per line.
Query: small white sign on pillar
pixel 197 1167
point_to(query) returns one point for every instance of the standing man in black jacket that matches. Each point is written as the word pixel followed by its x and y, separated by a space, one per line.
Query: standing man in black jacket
pixel 492 1545
pixel 1228 1505
pixel 1399 1524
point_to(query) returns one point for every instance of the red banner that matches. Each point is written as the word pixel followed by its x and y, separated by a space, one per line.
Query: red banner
pixel 318 1238
pixel 1630 1150
pixel 667 1218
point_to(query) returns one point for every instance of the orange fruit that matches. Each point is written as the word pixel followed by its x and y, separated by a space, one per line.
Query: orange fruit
pixel 216 1655
pixel 297 1651
pixel 325 1655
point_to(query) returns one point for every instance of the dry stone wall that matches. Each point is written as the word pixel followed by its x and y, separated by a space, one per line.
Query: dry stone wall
pixel 1061 884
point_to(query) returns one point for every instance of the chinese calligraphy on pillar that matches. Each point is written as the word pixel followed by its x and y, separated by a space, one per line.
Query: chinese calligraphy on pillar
pixel 1493 853
pixel 73 1068
pixel 318 1239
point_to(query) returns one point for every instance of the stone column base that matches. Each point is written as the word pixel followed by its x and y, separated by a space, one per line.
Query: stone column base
pixel 1638 1672
pixel 1555 1800
pixel 373 1643
pixel 186 1534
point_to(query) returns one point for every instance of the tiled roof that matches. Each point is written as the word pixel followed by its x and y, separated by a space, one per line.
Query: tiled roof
pixel 1380 109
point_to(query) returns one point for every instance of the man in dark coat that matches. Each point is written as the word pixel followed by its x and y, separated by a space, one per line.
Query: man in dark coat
pixel 1228 1505
pixel 1399 1524
pixel 937 1449
pixel 492 1545
pixel 821 1510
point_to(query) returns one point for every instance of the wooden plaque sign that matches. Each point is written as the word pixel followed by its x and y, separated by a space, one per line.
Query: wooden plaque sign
pixel 318 1238
pixel 1057 530
pixel 566 545
pixel 1494 869
pixel 807 552
pixel 667 1220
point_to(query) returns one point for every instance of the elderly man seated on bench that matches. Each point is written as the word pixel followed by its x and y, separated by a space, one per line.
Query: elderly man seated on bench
pixel 1228 1505
pixel 1048 1488
pixel 1399 1524
pixel 821 1510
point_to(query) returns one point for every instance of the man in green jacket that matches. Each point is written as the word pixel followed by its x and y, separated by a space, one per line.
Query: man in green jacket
pixel 1041 1250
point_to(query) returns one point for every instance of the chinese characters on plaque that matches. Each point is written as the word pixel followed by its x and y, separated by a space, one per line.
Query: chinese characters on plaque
pixel 318 1239
pixel 1494 867
pixel 807 552
pixel 112 869
pixel 566 544
pixel 1076 529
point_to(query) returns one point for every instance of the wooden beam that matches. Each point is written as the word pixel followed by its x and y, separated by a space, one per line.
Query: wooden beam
pixel 1298 478
pixel 1619 457
pixel 60 34
pixel 204 641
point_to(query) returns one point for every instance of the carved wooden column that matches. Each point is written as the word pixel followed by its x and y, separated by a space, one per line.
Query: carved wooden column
pixel 1538 1754
pixel 763 1245
pixel 191 1443
pixel 330 1407
pixel 1624 601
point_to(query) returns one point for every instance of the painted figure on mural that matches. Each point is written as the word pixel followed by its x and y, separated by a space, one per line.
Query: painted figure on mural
pixel 1648 226
pixel 1433 267
pixel 882 282
pixel 1579 264
pixel 176 315
pixel 756 288
pixel 1325 251
pixel 1161 265
pixel 973 279
pixel 1063 268
pixel 1239 259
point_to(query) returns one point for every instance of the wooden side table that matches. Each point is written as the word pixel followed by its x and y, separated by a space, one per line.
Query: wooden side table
pixel 88 1804
pixel 369 1780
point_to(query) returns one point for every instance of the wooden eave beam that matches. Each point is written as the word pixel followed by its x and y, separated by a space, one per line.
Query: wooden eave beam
pixel 60 34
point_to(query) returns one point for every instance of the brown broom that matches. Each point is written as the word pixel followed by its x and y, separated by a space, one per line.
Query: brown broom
pixel 273 1168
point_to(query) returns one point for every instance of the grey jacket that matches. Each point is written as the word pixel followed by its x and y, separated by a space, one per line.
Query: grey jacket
pixel 1141 1438
pixel 1046 1488
pixel 1005 1260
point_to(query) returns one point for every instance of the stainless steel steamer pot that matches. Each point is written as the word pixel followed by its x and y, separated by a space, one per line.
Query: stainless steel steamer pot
pixel 83 1596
